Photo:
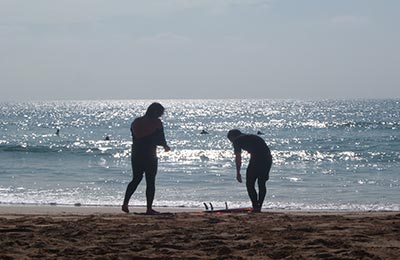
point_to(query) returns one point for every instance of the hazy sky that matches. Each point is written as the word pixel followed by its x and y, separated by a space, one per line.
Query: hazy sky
pixel 153 49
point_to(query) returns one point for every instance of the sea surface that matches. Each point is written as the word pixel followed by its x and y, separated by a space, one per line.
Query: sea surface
pixel 327 154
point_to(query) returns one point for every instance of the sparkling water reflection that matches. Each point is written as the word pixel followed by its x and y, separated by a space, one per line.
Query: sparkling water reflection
pixel 330 154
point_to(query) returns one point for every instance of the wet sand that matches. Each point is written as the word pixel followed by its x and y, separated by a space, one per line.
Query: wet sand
pixel 105 233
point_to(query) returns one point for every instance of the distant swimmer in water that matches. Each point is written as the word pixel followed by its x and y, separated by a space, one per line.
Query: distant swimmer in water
pixel 259 165
pixel 107 138
pixel 58 132
pixel 260 133
pixel 147 133
pixel 204 132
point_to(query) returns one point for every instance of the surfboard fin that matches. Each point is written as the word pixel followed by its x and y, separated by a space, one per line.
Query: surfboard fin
pixel 205 205
pixel 226 205
pixel 211 206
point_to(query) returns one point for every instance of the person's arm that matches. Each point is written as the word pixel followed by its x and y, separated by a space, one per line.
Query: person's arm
pixel 161 138
pixel 133 136
pixel 238 162
pixel 166 147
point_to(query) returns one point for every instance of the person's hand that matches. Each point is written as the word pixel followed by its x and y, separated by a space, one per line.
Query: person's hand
pixel 167 148
pixel 239 177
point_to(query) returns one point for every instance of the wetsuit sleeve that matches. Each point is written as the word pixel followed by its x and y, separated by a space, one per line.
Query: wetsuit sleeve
pixel 133 136
pixel 160 137
pixel 236 148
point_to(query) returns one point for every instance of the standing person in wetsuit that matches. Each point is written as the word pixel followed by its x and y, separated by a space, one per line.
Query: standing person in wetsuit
pixel 147 134
pixel 259 165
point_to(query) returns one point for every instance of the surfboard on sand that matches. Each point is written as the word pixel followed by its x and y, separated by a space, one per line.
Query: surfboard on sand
pixel 210 209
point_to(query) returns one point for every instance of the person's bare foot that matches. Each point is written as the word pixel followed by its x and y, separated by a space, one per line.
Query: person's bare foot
pixel 152 212
pixel 125 208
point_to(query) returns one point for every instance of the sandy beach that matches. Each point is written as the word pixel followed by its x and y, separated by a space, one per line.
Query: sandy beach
pixel 105 233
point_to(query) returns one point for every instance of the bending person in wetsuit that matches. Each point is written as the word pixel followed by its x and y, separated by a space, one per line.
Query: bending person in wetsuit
pixel 147 134
pixel 259 165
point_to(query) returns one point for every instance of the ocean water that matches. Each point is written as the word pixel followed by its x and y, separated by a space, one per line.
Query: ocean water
pixel 328 154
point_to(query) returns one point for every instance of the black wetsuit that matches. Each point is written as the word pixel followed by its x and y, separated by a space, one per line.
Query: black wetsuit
pixel 144 160
pixel 259 165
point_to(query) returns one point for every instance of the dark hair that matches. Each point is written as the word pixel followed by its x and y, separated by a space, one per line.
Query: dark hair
pixel 233 133
pixel 155 110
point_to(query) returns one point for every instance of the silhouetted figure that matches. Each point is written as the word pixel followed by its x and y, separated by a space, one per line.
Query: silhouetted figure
pixel 107 138
pixel 260 133
pixel 204 132
pixel 259 165
pixel 58 132
pixel 147 133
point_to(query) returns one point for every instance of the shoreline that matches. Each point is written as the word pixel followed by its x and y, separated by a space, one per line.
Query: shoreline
pixel 81 210
pixel 29 209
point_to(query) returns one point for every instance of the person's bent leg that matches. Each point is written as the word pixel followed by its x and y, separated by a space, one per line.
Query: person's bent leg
pixel 262 190
pixel 132 186
pixel 151 172
pixel 250 183
pixel 262 183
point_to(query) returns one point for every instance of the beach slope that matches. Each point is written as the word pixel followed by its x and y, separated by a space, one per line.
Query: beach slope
pixel 195 235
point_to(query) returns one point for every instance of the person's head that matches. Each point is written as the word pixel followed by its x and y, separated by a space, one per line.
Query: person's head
pixel 155 110
pixel 233 134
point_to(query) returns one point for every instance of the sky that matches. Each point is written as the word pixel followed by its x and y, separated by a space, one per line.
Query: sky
pixel 167 49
